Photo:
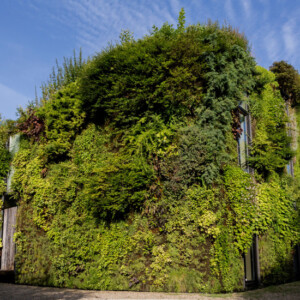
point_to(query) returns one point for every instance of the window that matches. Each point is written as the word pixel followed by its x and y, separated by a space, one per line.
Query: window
pixel 245 137
pixel 290 165
pixel 251 259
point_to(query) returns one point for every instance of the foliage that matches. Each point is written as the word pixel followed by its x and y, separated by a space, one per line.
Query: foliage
pixel 63 119
pixel 62 76
pixel 276 258
pixel 276 194
pixel 4 161
pixel 288 79
pixel 270 151
pixel 160 75
pixel 6 128
pixel 236 228
pixel 30 124
pixel 133 182
pixel 295 133
pixel 278 222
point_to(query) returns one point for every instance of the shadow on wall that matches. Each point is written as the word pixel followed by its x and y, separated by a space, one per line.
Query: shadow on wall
pixel 278 269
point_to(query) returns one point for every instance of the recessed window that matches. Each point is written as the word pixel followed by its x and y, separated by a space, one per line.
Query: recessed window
pixel 244 138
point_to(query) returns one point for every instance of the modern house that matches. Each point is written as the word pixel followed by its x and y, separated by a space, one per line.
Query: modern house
pixel 137 174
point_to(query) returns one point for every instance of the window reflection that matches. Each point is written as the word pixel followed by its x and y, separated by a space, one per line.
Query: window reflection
pixel 244 138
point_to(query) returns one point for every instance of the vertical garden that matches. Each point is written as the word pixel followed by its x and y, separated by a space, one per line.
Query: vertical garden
pixel 127 177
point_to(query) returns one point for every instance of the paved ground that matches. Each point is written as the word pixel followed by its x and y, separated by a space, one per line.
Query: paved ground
pixel 290 291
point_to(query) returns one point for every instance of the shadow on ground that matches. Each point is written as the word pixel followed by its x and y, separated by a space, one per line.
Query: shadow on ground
pixel 290 291
pixel 14 291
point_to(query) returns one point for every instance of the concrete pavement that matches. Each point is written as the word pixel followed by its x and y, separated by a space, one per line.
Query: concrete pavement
pixel 8 291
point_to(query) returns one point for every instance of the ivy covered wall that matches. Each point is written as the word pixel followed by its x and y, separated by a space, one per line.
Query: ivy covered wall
pixel 127 177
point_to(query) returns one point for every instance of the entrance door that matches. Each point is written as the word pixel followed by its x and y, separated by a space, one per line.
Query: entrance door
pixel 251 262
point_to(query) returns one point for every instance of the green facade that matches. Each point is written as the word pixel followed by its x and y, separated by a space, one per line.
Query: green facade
pixel 129 176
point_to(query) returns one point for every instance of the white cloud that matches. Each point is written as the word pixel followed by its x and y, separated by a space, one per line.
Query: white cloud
pixel 289 37
pixel 97 21
pixel 175 7
pixel 247 8
pixel 266 9
pixel 229 10
pixel 272 45
pixel 10 100
pixel 94 23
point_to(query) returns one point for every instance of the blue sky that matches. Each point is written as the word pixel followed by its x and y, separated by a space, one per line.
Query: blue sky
pixel 33 33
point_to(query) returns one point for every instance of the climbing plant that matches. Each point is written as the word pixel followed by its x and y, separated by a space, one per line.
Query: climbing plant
pixel 127 174
pixel 270 149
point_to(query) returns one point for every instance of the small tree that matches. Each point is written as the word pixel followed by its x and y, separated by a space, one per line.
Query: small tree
pixel 289 81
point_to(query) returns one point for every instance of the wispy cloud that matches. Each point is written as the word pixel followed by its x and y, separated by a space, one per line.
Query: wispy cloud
pixel 95 22
pixel 247 8
pixel 290 37
pixel 10 100
pixel 229 10
pixel 272 45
